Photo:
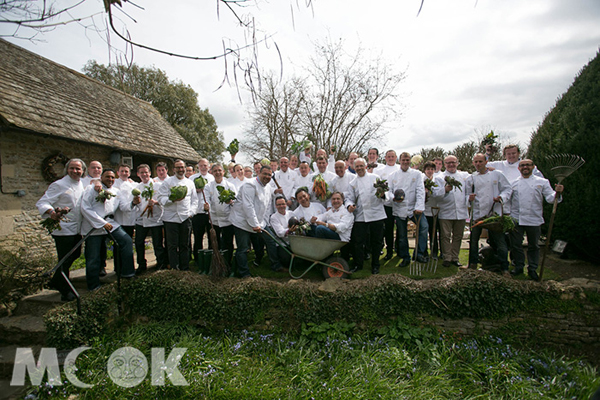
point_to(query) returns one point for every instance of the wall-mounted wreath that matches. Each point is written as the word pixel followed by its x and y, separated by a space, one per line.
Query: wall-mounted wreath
pixel 50 163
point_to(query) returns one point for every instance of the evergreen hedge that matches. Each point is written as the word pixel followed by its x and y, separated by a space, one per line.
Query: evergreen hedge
pixel 573 126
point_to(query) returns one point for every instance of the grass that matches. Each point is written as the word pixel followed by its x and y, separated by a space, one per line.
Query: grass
pixel 387 267
pixel 252 365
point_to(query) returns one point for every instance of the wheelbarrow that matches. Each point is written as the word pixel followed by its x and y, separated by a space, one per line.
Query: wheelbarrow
pixel 315 250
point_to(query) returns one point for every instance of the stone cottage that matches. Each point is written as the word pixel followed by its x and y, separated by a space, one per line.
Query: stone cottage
pixel 48 114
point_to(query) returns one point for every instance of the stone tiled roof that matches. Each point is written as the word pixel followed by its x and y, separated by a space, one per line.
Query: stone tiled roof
pixel 39 95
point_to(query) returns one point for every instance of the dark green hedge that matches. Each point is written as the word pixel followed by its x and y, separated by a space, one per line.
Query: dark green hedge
pixel 573 127
pixel 264 304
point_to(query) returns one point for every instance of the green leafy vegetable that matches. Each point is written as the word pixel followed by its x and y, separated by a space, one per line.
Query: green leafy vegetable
pixel 104 195
pixel 51 224
pixel 233 147
pixel 225 195
pixel 200 182
pixel 382 188
pixel 178 193
pixel 148 192
pixel 453 182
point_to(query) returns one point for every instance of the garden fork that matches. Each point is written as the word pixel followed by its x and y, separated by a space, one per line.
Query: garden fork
pixel 416 268
pixel 431 263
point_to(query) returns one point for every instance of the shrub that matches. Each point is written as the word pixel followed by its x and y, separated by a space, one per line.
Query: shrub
pixel 262 304
pixel 20 275
pixel 573 126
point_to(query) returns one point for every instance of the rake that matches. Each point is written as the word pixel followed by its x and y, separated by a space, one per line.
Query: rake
pixel 431 263
pixel 561 166
pixel 416 268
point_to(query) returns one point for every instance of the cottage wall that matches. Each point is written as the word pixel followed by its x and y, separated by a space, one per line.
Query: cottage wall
pixel 21 156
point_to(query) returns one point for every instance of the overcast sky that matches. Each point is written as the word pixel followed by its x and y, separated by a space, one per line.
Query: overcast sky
pixel 470 65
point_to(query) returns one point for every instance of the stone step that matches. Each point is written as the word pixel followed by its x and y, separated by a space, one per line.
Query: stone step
pixel 38 304
pixel 8 392
pixel 7 359
pixel 26 330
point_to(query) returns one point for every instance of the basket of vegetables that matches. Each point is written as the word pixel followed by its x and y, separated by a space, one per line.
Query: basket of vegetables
pixel 496 223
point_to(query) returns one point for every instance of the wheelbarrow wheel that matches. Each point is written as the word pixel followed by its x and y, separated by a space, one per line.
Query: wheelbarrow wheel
pixel 337 262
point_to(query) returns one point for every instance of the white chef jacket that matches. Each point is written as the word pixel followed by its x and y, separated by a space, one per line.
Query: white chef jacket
pixel 454 203
pixel 342 219
pixel 487 186
pixel 342 184
pixel 511 171
pixel 384 171
pixel 287 181
pixel 119 182
pixel 237 183
pixel 436 194
pixel 126 213
pixel 62 193
pixel 411 181
pixel 219 212
pixel 209 178
pixel 87 180
pixel 251 207
pixel 527 198
pixel 279 223
pixel 369 207
pixel 330 164
pixel 157 209
pixel 303 181
pixel 181 210
pixel 313 210
pixel 95 213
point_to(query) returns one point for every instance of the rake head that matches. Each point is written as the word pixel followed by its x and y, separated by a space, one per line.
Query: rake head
pixel 563 165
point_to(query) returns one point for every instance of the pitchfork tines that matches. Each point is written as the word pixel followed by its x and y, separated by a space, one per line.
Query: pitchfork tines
pixel 563 165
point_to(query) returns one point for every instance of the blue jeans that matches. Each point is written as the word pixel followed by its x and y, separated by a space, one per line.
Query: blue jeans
pixel 326 233
pixel 402 236
pixel 93 261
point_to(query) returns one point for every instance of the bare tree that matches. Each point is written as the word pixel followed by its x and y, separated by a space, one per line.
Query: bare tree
pixel 351 98
pixel 344 100
pixel 276 120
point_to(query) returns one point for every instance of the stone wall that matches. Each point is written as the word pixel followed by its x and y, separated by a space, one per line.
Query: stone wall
pixel 574 333
pixel 22 155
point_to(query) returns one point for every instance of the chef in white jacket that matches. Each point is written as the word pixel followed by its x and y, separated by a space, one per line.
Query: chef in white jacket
pixel 149 220
pixel 249 216
pixel 220 212
pixel 510 165
pixel 98 215
pixel 431 206
pixel 487 191
pixel 527 199
pixel 410 207
pixel 369 216
pixel 326 174
pixel 65 193
pixel 302 180
pixel 453 212
pixel 286 178
pixel 177 216
pixel 385 171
